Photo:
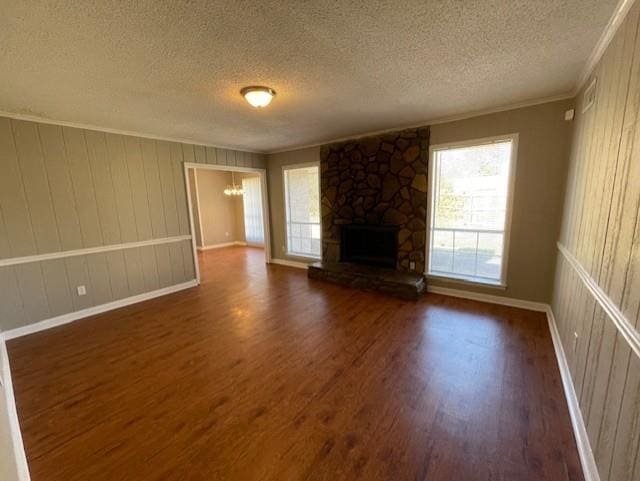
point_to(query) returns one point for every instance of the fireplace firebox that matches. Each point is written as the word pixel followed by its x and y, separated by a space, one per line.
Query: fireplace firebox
pixel 373 245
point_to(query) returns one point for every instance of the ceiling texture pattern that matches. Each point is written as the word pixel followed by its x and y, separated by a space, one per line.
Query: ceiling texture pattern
pixel 174 68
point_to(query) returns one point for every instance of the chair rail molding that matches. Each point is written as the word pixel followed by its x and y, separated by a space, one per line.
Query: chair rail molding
pixel 91 250
pixel 624 326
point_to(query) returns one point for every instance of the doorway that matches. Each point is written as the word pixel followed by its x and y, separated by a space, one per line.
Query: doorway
pixel 227 207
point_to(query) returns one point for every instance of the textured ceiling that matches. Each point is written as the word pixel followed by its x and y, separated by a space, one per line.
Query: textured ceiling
pixel 173 68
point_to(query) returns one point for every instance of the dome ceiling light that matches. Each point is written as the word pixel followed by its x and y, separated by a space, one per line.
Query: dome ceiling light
pixel 258 96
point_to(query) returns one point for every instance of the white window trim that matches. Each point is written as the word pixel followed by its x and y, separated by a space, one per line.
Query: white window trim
pixel 301 165
pixel 502 284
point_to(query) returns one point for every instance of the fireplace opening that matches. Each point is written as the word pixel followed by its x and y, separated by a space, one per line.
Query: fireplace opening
pixel 374 245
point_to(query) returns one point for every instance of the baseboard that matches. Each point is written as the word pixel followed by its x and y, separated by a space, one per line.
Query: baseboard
pixel 501 300
pixel 74 316
pixel 288 263
pixel 12 415
pixel 587 460
pixel 589 467
pixel 224 244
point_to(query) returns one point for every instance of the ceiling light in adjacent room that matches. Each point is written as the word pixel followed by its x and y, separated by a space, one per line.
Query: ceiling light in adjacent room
pixel 258 96
pixel 233 189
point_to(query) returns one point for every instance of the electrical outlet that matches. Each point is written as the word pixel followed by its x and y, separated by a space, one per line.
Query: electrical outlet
pixel 227 234
pixel 82 290
pixel 412 265
pixel 589 96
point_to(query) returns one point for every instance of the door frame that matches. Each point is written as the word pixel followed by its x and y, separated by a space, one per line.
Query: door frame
pixel 265 205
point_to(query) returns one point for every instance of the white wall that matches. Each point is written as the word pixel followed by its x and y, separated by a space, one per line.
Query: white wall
pixel 8 467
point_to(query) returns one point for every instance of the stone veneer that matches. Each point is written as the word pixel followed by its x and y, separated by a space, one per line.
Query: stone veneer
pixel 378 180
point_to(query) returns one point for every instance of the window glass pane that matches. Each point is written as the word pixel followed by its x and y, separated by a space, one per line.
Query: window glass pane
pixel 302 199
pixel 469 205
pixel 490 244
pixel 464 253
pixel 489 266
pixel 472 186
pixel 252 203
pixel 442 251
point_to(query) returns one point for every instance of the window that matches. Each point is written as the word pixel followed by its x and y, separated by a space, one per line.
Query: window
pixel 302 199
pixel 469 212
pixel 252 202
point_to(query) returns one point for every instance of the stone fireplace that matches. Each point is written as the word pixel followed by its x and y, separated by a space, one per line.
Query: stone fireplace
pixel 374 210
pixel 377 181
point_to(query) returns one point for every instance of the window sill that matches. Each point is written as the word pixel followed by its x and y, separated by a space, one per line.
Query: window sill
pixel 297 255
pixel 469 281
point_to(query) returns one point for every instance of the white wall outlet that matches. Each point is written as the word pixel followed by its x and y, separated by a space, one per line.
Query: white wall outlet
pixel 569 114
pixel 82 290
pixel 589 96
pixel 412 265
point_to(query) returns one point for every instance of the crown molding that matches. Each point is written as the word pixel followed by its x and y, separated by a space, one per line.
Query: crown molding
pixel 436 121
pixel 618 16
pixel 131 133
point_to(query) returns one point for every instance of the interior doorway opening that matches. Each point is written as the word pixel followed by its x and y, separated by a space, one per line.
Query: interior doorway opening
pixel 227 207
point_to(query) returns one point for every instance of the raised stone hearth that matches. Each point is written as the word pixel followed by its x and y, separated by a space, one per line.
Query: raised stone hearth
pixel 405 285
pixel 379 180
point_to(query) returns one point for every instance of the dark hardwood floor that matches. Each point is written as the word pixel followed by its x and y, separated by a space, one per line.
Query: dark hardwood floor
pixel 260 374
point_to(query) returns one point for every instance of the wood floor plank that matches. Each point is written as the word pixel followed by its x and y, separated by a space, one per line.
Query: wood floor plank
pixel 262 374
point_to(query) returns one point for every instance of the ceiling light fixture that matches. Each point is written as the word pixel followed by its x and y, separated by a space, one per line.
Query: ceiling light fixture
pixel 258 96
pixel 233 189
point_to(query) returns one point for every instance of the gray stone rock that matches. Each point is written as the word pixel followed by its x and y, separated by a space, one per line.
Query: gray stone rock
pixel 377 180
pixel 394 217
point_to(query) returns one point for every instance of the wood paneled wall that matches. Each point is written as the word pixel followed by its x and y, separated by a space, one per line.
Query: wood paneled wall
pixel 601 230
pixel 64 188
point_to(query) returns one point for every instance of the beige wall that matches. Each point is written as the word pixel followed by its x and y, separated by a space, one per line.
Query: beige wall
pixel 221 216
pixel 600 231
pixel 538 191
pixel 539 185
pixel 275 183
pixel 64 188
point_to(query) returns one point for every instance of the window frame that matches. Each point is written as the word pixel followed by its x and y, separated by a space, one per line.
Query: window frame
pixel 502 283
pixel 301 165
